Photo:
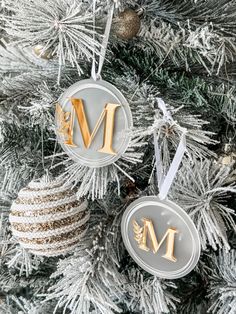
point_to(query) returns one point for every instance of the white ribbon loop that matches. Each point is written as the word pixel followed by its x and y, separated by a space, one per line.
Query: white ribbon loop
pixel 96 74
pixel 165 183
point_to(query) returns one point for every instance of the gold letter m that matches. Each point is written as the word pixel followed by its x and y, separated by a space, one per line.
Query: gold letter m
pixel 148 229
pixel 107 115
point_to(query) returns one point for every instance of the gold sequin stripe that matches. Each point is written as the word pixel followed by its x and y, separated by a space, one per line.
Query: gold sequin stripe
pixel 54 245
pixel 31 207
pixel 48 233
pixel 60 251
pixel 45 199
pixel 54 239
pixel 45 218
pixel 50 225
pixel 46 211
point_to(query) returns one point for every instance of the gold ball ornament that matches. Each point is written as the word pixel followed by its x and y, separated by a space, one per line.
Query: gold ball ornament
pixel 228 157
pixel 127 24
pixel 46 54
pixel 47 219
pixel 227 160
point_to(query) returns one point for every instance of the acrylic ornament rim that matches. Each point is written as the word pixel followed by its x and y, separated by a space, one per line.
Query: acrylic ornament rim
pixel 196 251
pixel 80 85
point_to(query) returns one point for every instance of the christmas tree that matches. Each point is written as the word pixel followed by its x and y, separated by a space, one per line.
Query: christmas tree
pixel 106 104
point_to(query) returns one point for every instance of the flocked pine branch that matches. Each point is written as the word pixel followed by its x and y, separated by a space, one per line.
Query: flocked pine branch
pixel 198 93
pixel 18 304
pixel 226 97
pixel 65 27
pixel 27 71
pixel 149 295
pixel 17 59
pixel 222 288
pixel 202 189
pixel 5 237
pixel 175 33
pixel 169 130
pixel 17 264
pixel 5 308
pixel 40 109
pixel 21 155
pixel 196 11
pixel 191 292
pixel 141 96
pixel 28 97
pixel 23 261
pixel 188 45
pixel 94 182
pixel 30 92
pixel 89 279
pixel 35 284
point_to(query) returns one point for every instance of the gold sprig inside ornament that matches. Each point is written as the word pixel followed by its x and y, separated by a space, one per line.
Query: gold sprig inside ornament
pixel 127 24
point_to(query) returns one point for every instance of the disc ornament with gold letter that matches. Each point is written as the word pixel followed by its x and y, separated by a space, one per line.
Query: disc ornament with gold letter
pixel 94 126
pixel 160 237
pixel 93 119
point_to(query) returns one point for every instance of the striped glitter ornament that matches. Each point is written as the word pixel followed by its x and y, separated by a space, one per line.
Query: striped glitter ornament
pixel 47 219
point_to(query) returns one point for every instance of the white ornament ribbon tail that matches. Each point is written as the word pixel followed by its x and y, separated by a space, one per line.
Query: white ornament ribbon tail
pixel 97 74
pixel 165 183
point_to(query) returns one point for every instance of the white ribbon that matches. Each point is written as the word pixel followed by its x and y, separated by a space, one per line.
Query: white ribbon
pixel 96 74
pixel 165 183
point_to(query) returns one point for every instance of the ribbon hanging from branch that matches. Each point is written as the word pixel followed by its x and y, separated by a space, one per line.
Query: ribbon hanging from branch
pixel 165 182
pixel 96 73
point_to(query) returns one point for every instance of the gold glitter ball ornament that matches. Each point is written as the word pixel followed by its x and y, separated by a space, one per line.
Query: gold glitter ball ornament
pixel 127 24
pixel 227 160
pixel 47 219
pixel 228 157
pixel 43 53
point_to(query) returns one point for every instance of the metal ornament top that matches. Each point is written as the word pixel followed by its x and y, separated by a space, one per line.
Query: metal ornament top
pixel 160 237
pixel 93 120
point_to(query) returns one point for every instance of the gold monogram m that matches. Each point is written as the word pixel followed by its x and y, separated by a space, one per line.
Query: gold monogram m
pixel 141 234
pixel 66 121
